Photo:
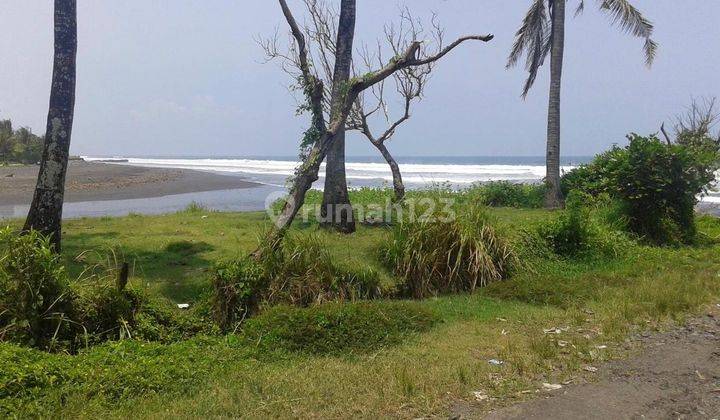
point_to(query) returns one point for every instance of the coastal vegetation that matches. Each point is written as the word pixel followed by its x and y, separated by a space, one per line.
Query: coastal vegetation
pixel 287 361
pixel 19 146
pixel 484 285
pixel 440 297
pixel 542 33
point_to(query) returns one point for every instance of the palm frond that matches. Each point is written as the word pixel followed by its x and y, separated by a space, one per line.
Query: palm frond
pixel 580 8
pixel 632 21
pixel 533 40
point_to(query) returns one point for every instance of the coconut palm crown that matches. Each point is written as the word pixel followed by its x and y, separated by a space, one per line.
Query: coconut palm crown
pixel 534 38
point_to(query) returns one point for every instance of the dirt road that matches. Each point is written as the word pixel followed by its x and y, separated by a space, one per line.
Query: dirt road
pixel 676 376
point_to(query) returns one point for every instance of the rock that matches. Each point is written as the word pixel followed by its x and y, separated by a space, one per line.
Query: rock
pixel 590 369
pixel 480 396
pixel 551 387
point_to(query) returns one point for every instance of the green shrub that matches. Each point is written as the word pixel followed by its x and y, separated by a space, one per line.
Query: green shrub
pixel 338 328
pixel 238 287
pixel 41 307
pixel 571 233
pixel 656 182
pixel 434 256
pixel 508 194
pixel 586 227
pixel 35 297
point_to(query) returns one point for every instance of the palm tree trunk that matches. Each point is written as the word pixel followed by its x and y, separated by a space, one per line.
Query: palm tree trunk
pixel 336 208
pixel 398 185
pixel 45 213
pixel 553 196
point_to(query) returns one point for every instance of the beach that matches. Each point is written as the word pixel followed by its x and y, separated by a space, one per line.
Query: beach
pixel 97 181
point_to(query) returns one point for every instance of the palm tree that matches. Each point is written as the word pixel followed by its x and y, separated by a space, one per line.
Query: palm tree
pixel 45 213
pixel 542 33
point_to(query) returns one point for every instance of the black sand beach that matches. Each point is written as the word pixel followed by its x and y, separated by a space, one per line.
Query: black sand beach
pixel 92 181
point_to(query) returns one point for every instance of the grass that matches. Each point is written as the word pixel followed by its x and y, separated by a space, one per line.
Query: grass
pixel 421 371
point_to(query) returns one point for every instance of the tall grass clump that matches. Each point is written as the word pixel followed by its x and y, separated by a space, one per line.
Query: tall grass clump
pixel 299 272
pixel 40 306
pixel 35 296
pixel 434 256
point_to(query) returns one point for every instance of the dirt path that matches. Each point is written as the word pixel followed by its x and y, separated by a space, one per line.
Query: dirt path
pixel 676 376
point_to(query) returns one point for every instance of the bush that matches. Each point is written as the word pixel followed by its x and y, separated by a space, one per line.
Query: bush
pixel 571 233
pixel 338 328
pixel 508 194
pixel 41 307
pixel 35 297
pixel 238 287
pixel 656 182
pixel 306 274
pixel 19 146
pixel 587 227
pixel 299 272
pixel 433 256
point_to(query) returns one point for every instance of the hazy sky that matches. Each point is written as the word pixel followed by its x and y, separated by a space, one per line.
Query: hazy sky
pixel 185 77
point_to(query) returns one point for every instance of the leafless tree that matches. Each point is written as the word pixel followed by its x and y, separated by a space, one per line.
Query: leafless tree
pixel 409 84
pixel 323 131
pixel 699 120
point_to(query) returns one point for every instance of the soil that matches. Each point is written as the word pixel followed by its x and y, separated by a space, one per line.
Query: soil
pixel 676 375
pixel 94 181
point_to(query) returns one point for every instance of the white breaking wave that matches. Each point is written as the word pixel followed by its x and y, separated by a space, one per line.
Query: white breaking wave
pixel 274 172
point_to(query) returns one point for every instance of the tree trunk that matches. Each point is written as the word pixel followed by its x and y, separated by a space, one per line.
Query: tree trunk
pixel 46 209
pixel 553 197
pixel 398 185
pixel 307 173
pixel 336 208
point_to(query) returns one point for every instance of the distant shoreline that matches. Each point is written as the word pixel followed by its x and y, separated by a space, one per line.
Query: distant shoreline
pixel 93 181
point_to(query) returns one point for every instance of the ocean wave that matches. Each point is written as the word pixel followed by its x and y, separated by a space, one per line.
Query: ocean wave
pixel 271 171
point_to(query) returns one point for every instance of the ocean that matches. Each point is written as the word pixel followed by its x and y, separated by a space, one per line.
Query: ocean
pixel 367 171
pixel 272 174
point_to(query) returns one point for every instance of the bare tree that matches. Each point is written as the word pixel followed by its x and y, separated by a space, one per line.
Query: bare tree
pixel 699 120
pixel 409 85
pixel 45 213
pixel 319 138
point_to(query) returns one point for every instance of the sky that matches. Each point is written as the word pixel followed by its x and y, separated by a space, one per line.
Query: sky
pixel 187 77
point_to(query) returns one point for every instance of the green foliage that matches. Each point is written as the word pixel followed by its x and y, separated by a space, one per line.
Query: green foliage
pixel 19 146
pixel 41 307
pixel 35 297
pixel 299 272
pixel 338 328
pixel 571 233
pixel 304 273
pixel 35 382
pixel 587 227
pixel 508 194
pixel 237 289
pixel 434 256
pixel 657 183
pixel 195 208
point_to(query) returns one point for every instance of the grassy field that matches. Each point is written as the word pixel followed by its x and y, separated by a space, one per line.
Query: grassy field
pixel 589 302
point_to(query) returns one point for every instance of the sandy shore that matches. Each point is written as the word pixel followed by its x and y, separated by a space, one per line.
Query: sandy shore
pixel 91 181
